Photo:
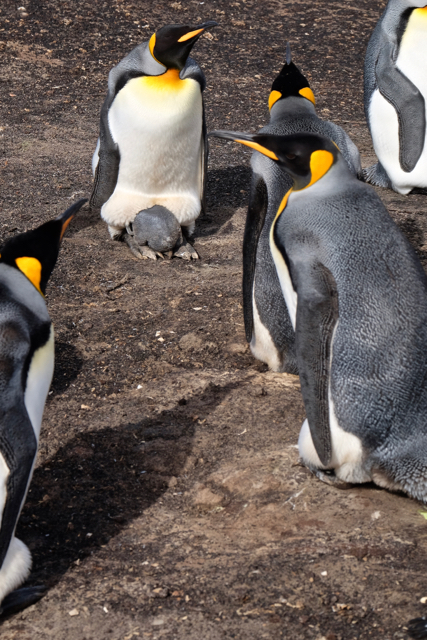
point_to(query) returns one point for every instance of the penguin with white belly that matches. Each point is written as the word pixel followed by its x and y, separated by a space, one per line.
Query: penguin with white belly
pixel 395 96
pixel 26 368
pixel 357 298
pixel 292 110
pixel 151 157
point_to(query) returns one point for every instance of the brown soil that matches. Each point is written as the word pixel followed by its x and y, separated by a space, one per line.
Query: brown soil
pixel 167 500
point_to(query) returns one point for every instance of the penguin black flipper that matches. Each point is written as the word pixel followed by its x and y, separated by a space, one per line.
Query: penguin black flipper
pixel 257 210
pixel 408 103
pixel 107 168
pixel 316 318
pixel 192 70
pixel 18 444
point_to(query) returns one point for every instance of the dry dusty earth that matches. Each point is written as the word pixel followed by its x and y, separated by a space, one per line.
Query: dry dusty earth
pixel 167 501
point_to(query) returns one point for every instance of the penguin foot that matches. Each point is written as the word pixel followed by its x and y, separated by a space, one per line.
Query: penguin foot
pixel 417 628
pixel 20 599
pixel 186 251
pixel 139 251
pixel 328 477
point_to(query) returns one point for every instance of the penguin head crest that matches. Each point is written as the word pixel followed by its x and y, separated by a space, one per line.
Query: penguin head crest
pixel 171 45
pixel 35 252
pixel 306 157
pixel 290 83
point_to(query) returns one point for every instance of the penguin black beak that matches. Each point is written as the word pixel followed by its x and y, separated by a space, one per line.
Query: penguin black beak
pixel 66 217
pixel 198 31
pixel 245 138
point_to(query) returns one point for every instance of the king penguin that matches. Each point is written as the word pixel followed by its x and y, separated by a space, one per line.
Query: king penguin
pixel 151 155
pixel 356 294
pixel 292 110
pixel 395 96
pixel 26 367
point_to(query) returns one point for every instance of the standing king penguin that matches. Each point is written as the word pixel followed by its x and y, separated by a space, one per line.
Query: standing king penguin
pixel 26 368
pixel 357 298
pixel 150 160
pixel 292 110
pixel 395 96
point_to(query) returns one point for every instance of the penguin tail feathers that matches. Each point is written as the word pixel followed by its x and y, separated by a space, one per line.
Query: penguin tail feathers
pixel 376 175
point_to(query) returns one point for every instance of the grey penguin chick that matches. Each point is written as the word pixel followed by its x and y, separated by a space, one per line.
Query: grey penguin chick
pixel 292 110
pixel 357 298
pixel 156 227
pixel 26 368
pixel 395 95
pixel 152 148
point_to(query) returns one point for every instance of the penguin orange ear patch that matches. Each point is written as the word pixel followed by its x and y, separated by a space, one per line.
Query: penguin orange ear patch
pixel 273 98
pixel 31 268
pixel 306 92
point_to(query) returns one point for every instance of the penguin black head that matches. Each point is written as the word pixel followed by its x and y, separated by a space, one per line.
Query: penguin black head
pixel 171 45
pixel 35 252
pixel 305 156
pixel 290 82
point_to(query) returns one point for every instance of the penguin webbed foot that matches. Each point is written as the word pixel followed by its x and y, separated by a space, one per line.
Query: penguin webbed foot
pixel 417 628
pixel 21 599
pixel 328 477
pixel 140 251
pixel 186 251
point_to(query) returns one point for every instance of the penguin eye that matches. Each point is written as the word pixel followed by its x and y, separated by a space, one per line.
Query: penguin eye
pixel 290 156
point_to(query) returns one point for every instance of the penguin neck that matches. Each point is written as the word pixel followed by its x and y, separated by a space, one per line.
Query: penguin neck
pixel 291 106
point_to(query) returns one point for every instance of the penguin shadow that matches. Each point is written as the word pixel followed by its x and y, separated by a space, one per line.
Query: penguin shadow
pixel 416 237
pixel 227 189
pixel 67 367
pixel 86 218
pixel 99 481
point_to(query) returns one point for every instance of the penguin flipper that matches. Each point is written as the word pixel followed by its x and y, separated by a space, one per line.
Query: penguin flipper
pixel 20 599
pixel 408 103
pixel 316 318
pixel 257 211
pixel 417 628
pixel 107 168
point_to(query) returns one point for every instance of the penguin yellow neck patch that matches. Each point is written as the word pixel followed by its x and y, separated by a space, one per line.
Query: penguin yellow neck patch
pixel 273 98
pixel 31 268
pixel 258 147
pixel 306 92
pixel 320 162
pixel 169 81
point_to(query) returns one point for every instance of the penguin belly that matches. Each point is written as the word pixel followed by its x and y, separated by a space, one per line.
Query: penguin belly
pixel 157 124
pixel 347 460
pixel 17 563
pixel 262 344
pixel 412 62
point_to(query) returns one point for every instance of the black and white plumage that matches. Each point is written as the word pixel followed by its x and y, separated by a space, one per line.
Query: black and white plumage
pixel 26 368
pixel 152 148
pixel 292 110
pixel 395 96
pixel 357 297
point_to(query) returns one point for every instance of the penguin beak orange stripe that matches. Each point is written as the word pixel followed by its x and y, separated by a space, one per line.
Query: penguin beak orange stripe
pixel 64 227
pixel 191 34
pixel 258 147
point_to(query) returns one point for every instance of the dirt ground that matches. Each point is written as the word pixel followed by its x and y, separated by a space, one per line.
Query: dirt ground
pixel 167 501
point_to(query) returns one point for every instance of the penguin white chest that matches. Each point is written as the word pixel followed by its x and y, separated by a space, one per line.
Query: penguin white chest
pixel 157 124
pixel 412 62
pixel 39 378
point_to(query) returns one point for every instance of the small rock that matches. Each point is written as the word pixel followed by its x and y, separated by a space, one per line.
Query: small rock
pixel 73 612
pixel 157 622
pixel 204 497
pixel 190 341
pixel 237 347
